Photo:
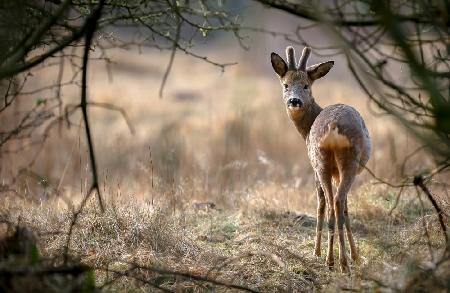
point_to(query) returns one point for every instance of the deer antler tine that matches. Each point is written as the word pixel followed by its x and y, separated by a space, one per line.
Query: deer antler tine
pixel 304 59
pixel 290 55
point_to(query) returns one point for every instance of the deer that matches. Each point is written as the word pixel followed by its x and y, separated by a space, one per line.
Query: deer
pixel 338 146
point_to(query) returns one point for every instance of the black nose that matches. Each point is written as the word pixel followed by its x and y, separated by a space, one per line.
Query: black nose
pixel 294 102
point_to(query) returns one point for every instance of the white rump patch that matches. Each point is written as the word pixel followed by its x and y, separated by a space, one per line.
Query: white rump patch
pixel 332 139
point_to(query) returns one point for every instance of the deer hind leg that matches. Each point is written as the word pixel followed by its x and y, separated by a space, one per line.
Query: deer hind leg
pixel 353 252
pixel 320 217
pixel 325 181
pixel 347 178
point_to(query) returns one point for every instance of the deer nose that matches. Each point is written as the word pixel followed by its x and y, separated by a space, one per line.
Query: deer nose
pixel 294 102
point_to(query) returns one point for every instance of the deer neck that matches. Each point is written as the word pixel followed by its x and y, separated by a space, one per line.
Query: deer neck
pixel 304 123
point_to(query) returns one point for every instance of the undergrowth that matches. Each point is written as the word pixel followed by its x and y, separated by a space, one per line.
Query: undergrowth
pixel 201 247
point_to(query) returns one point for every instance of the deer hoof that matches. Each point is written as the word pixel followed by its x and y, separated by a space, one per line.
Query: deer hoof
pixel 317 252
pixel 356 260
pixel 345 269
pixel 330 264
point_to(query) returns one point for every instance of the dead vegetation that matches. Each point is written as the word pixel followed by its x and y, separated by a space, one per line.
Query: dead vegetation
pixel 135 245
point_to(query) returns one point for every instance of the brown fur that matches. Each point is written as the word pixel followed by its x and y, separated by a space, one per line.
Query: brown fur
pixel 338 146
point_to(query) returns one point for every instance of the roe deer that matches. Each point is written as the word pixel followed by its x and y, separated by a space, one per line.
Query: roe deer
pixel 338 146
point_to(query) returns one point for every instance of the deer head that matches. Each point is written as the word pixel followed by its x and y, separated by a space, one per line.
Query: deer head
pixel 296 80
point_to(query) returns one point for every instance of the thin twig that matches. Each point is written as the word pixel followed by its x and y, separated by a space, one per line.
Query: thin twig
pixel 424 224
pixel 418 181
pixel 87 47
pixel 91 24
pixel 193 277
pixel 173 52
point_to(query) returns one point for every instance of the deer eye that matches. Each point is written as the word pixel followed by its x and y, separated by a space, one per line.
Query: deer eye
pixel 286 86
pixel 306 87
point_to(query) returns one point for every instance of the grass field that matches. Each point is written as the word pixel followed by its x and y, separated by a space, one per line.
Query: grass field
pixel 257 246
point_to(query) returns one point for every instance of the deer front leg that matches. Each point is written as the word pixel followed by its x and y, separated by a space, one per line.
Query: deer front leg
pixel 320 217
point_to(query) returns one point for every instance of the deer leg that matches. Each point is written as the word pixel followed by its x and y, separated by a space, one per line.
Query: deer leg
pixel 353 251
pixel 339 210
pixel 320 217
pixel 331 230
pixel 339 205
pixel 325 181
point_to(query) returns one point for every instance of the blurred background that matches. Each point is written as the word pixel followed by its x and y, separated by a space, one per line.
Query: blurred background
pixel 217 134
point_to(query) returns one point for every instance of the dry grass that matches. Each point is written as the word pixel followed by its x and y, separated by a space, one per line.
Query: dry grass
pixel 260 247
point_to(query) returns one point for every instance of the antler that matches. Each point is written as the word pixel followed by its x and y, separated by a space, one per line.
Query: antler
pixel 290 54
pixel 304 59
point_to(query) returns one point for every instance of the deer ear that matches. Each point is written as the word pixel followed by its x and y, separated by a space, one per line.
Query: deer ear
pixel 319 70
pixel 278 64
